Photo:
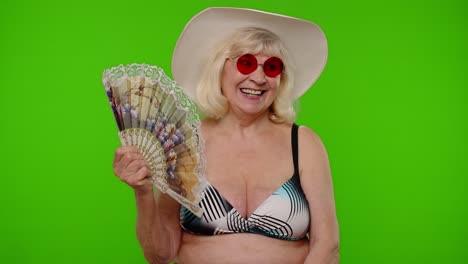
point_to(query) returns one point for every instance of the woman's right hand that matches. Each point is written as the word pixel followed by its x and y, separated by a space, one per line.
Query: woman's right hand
pixel 131 168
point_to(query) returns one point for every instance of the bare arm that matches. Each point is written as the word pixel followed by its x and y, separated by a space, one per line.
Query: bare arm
pixel 157 227
pixel 317 184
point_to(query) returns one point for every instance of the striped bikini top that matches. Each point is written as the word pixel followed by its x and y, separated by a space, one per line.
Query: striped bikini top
pixel 283 215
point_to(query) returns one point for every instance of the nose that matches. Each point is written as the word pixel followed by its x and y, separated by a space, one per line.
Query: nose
pixel 258 76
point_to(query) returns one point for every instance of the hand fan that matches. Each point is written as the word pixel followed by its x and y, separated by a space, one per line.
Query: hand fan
pixel 154 114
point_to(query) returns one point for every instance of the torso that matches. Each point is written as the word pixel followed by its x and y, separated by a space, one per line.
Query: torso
pixel 240 248
pixel 246 170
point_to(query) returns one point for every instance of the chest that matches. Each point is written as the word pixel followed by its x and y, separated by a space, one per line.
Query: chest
pixel 247 174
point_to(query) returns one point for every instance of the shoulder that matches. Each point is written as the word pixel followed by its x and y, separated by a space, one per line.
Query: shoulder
pixel 208 122
pixel 309 140
pixel 207 125
pixel 312 153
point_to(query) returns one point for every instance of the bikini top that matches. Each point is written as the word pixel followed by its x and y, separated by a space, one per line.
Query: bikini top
pixel 283 215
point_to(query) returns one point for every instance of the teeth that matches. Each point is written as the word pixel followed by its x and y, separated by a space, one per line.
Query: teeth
pixel 249 91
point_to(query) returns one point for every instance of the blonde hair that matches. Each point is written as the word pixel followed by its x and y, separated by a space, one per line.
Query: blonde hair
pixel 251 40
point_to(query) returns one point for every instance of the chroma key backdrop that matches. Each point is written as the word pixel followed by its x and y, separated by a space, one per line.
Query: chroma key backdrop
pixel 391 108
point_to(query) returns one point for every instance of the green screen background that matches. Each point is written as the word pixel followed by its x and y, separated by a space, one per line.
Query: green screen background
pixel 390 108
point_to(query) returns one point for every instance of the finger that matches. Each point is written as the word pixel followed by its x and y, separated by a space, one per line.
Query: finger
pixel 143 173
pixel 136 165
pixel 140 178
pixel 120 152
pixel 128 158
pixel 128 166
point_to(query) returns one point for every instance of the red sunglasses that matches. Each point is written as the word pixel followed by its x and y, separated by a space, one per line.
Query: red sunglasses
pixel 272 67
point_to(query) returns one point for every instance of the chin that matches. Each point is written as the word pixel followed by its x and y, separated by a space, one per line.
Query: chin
pixel 254 110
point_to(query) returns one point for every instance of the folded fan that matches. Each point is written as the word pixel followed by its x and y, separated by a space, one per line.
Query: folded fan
pixel 154 114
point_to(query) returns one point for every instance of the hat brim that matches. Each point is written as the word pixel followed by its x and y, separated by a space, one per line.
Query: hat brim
pixel 305 41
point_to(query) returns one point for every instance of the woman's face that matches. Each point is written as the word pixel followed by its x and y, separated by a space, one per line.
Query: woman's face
pixel 251 93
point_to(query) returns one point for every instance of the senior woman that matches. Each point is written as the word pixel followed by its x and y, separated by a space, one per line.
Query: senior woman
pixel 270 195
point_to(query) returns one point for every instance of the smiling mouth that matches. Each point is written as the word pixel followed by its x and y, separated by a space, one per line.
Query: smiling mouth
pixel 252 92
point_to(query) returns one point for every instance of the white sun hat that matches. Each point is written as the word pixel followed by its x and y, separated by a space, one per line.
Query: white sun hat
pixel 304 40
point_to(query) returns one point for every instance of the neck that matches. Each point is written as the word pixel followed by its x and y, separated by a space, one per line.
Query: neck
pixel 243 125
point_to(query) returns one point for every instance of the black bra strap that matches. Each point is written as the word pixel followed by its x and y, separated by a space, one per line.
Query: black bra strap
pixel 294 143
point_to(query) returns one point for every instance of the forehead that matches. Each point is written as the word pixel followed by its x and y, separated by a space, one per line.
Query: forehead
pixel 260 58
pixel 268 48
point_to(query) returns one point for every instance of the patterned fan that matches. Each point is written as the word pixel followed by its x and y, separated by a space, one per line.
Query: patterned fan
pixel 154 114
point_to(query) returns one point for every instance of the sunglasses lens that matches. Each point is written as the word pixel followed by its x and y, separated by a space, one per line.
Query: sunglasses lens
pixel 246 63
pixel 273 67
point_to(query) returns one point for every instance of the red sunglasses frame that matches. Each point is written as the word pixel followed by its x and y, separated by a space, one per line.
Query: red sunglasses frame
pixel 272 67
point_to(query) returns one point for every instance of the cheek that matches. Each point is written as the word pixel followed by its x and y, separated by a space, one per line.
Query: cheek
pixel 231 78
pixel 274 83
pixel 228 83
